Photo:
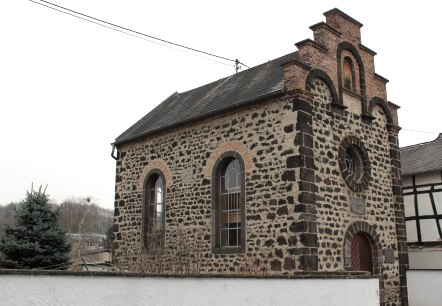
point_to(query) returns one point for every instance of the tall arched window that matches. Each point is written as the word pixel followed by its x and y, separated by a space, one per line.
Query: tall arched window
pixel 153 214
pixel 348 77
pixel 229 206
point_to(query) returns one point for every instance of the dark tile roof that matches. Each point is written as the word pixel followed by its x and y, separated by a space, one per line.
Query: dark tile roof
pixel 423 157
pixel 236 90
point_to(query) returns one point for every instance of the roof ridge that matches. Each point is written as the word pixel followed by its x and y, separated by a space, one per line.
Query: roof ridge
pixel 439 137
pixel 237 74
pixel 235 90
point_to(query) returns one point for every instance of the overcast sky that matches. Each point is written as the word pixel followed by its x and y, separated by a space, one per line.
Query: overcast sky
pixel 69 87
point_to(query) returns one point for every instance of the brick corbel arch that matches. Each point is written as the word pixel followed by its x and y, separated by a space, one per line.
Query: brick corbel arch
pixel 228 146
pixel 370 233
pixel 318 73
pixel 376 101
pixel 155 164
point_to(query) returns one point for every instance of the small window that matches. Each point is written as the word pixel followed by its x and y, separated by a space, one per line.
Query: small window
pixel 229 206
pixel 153 223
pixel 348 74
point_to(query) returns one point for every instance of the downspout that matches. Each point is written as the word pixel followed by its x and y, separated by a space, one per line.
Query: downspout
pixel 113 152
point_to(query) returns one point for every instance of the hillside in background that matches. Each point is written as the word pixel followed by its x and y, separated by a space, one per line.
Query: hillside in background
pixel 77 215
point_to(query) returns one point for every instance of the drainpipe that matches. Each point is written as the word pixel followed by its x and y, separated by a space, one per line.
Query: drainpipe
pixel 113 152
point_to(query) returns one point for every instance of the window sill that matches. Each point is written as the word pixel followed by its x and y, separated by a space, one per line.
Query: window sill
pixel 228 250
pixel 351 93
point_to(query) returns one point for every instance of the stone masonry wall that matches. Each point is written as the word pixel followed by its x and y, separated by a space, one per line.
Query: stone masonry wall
pixel 362 113
pixel 333 199
pixel 264 135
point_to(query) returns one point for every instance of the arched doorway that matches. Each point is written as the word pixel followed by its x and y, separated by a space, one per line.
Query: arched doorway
pixel 361 254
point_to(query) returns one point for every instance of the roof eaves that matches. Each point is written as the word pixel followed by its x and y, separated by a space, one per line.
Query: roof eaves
pixel 172 96
pixel 201 116
pixel 439 137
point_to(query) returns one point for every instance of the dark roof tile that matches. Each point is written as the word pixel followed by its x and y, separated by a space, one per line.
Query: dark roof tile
pixel 423 157
pixel 250 85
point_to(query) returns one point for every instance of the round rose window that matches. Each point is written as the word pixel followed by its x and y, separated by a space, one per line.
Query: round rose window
pixel 354 163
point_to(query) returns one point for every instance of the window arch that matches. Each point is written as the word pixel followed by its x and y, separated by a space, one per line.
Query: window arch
pixel 154 211
pixel 229 204
pixel 357 61
pixel 348 75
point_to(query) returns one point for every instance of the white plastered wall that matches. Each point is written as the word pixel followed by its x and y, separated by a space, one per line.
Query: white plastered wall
pixel 102 290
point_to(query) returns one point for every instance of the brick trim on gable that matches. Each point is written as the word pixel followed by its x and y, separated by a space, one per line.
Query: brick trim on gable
pixel 349 47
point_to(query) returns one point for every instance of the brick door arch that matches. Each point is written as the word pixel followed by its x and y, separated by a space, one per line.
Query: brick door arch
pixel 365 239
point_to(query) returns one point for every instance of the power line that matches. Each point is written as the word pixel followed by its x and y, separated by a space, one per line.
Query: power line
pixel 428 132
pixel 143 38
pixel 103 23
pixel 129 33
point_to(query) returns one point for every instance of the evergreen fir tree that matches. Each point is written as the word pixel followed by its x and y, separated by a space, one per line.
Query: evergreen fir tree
pixel 37 240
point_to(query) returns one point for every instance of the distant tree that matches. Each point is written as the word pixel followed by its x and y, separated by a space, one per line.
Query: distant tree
pixel 36 240
pixel 7 214
pixel 81 215
pixel 107 243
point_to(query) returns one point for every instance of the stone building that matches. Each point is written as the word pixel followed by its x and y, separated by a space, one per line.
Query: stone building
pixel 286 167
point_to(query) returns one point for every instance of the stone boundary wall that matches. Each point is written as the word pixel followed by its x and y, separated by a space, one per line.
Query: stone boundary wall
pixel 27 287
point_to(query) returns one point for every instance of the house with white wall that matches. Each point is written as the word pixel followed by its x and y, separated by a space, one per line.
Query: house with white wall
pixel 422 192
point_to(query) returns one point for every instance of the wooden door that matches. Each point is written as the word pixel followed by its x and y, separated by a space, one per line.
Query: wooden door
pixel 361 254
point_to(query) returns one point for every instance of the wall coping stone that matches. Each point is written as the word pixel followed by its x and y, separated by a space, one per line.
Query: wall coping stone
pixel 296 275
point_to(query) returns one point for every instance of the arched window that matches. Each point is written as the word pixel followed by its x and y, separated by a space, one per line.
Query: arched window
pixel 229 206
pixel 153 214
pixel 348 76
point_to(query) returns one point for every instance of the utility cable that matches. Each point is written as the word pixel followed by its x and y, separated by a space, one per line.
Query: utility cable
pixel 126 30
pixel 143 38
pixel 428 132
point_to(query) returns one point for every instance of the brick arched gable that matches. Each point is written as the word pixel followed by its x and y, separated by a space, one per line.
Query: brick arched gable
pixel 376 101
pixel 349 47
pixel 318 73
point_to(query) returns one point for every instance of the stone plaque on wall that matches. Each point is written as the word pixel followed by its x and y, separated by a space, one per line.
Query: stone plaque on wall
pixel 357 206
pixel 187 176
pixel 388 256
